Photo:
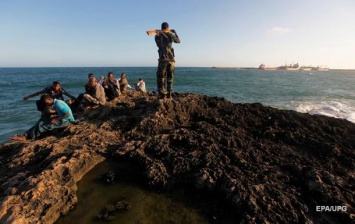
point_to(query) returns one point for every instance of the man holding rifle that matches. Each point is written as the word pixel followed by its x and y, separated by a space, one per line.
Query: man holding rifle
pixel 166 66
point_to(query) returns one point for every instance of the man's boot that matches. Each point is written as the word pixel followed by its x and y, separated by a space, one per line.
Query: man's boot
pixel 161 96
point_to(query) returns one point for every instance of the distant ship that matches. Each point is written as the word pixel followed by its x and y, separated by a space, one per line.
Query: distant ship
pixel 310 68
pixel 291 67
pixel 318 68
pixel 306 68
pixel 294 67
pixel 263 67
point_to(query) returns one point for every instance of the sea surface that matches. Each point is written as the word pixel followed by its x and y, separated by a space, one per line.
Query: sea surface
pixel 329 93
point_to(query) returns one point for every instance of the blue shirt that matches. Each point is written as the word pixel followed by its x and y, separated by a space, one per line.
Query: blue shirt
pixel 62 108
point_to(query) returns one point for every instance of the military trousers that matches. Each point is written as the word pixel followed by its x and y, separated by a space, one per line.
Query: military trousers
pixel 165 73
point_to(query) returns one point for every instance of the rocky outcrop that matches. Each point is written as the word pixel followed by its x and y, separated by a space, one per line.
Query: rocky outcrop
pixel 266 165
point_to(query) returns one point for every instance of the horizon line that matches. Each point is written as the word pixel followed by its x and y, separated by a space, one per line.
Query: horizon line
pixel 150 66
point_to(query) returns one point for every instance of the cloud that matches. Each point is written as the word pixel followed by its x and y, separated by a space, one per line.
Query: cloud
pixel 279 30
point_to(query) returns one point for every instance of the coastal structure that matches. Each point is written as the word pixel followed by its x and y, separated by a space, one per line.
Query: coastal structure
pixel 318 68
pixel 290 67
pixel 311 68
pixel 294 67
pixel 234 68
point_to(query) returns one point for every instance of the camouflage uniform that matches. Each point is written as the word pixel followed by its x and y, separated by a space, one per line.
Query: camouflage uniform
pixel 166 65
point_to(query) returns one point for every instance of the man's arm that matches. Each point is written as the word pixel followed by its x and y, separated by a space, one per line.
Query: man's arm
pixel 68 94
pixel 42 92
pixel 100 95
pixel 56 119
pixel 113 82
pixel 176 38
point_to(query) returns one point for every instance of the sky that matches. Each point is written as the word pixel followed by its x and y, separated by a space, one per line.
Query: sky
pixel 234 33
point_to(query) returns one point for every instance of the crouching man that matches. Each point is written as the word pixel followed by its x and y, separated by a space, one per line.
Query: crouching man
pixel 46 126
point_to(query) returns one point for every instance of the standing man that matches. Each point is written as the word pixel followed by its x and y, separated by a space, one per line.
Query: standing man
pixel 166 65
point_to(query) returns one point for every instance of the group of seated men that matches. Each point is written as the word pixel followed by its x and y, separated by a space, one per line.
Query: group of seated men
pixel 56 113
pixel 107 89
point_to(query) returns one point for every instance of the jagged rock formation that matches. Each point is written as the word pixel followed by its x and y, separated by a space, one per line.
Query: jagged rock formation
pixel 267 165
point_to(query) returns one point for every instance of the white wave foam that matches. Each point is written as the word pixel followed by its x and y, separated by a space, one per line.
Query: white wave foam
pixel 328 108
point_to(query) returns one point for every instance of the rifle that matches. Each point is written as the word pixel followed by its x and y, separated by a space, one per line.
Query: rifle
pixel 151 32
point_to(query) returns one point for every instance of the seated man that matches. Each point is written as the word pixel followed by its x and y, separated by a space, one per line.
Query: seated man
pixel 55 91
pixel 140 86
pixel 112 89
pixel 103 81
pixel 80 98
pixel 45 126
pixel 124 83
pixel 95 95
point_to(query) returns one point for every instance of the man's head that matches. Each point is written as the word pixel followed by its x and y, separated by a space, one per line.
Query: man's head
pixel 90 75
pixel 164 26
pixel 56 86
pixel 123 75
pixel 92 82
pixel 47 100
pixel 110 75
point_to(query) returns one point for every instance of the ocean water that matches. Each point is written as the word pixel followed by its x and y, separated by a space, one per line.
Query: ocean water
pixel 329 93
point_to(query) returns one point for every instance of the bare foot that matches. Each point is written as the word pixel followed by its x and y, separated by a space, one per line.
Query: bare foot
pixel 18 138
pixel 91 107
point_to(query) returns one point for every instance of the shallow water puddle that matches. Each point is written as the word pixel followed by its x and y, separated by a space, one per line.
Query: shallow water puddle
pixel 95 194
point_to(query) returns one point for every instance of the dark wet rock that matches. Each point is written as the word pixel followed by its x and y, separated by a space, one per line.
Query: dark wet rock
pixel 108 213
pixel 267 165
pixel 108 178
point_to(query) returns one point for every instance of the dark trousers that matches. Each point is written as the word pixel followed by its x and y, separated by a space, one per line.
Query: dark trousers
pixel 44 127
pixel 111 92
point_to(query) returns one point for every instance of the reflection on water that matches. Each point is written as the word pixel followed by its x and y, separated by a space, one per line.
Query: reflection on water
pixel 145 206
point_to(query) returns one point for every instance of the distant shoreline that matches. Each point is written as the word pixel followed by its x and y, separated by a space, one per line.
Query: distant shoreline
pixel 249 68
pixel 237 68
